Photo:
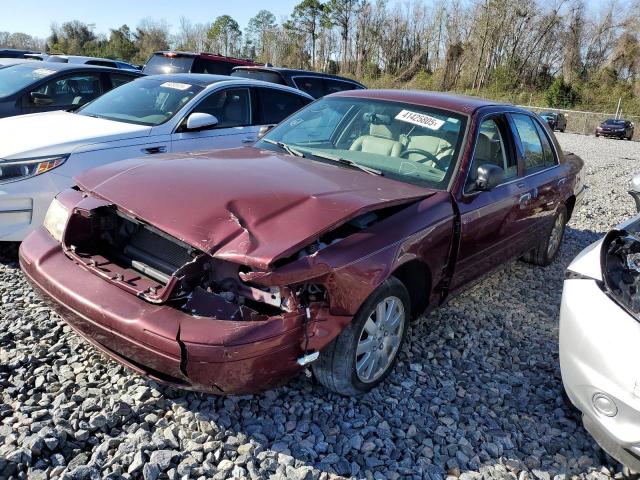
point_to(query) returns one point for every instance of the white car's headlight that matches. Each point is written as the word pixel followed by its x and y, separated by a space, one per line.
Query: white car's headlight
pixel 56 219
pixel 11 170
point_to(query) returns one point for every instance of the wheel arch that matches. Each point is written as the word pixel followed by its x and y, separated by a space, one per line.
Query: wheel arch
pixel 416 277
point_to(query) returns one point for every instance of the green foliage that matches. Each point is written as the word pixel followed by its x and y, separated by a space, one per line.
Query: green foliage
pixel 561 95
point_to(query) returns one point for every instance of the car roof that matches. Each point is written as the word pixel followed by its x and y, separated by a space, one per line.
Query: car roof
pixel 293 71
pixel 59 66
pixel 206 79
pixel 81 57
pixel 457 103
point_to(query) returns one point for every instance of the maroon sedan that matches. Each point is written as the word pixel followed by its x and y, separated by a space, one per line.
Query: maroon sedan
pixel 229 271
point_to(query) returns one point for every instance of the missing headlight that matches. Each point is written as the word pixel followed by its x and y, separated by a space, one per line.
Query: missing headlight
pixel 620 264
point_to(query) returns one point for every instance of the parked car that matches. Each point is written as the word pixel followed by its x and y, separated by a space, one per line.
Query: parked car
pixel 152 115
pixel 14 53
pixel 599 336
pixel 5 62
pixel 189 62
pixel 616 128
pixel 32 87
pixel 227 271
pixel 556 120
pixel 314 83
pixel 102 62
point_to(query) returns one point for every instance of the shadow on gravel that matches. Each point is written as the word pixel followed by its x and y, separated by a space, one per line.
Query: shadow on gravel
pixel 9 252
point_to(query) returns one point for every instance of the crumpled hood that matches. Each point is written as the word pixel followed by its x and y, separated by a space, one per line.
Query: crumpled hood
pixel 55 133
pixel 244 205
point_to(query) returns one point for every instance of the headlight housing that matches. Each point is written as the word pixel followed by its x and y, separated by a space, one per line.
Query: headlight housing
pixel 12 170
pixel 56 219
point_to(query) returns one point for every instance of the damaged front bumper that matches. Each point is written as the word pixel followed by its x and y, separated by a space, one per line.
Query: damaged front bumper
pixel 170 345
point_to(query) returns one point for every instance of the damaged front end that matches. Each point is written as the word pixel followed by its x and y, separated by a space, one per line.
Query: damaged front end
pixel 620 264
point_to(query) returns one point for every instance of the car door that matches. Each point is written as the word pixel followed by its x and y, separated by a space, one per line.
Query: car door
pixel 493 223
pixel 541 176
pixel 64 92
pixel 232 107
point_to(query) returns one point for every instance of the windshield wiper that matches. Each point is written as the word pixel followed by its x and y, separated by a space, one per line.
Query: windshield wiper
pixel 287 148
pixel 350 163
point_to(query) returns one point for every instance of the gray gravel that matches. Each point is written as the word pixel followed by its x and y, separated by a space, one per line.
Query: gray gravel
pixel 476 393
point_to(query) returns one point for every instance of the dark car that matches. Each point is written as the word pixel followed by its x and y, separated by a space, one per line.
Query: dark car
pixel 616 128
pixel 15 53
pixel 102 62
pixel 314 83
pixel 33 86
pixel 555 120
pixel 228 271
pixel 189 62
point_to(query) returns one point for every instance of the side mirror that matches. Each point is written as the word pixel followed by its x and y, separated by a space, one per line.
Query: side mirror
pixel 200 121
pixel 488 176
pixel 634 190
pixel 41 99
pixel 264 130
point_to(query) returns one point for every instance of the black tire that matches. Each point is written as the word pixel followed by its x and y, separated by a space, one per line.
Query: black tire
pixel 542 254
pixel 336 367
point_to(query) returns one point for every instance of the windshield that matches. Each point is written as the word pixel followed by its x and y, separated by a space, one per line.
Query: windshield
pixel 410 143
pixel 146 101
pixel 613 121
pixel 168 63
pixel 14 78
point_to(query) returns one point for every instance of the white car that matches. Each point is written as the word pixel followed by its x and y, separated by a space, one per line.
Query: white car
pixel 600 341
pixel 40 153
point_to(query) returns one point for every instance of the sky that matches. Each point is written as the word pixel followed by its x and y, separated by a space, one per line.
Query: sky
pixel 35 16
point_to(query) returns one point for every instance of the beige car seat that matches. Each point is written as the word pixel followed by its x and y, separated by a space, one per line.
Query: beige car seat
pixel 379 141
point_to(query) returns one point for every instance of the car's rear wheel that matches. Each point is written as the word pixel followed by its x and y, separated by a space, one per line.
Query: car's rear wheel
pixel 547 248
pixel 366 350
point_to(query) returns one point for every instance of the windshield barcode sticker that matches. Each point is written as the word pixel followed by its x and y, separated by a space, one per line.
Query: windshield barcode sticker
pixel 420 119
pixel 176 85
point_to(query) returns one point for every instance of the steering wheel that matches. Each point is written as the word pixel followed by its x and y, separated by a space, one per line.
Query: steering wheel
pixel 427 155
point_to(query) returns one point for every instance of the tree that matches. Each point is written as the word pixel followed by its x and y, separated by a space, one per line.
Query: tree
pixel 260 30
pixel 150 36
pixel 561 94
pixel 121 44
pixel 341 13
pixel 225 35
pixel 306 17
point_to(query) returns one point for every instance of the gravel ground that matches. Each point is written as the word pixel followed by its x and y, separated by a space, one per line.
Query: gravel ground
pixel 476 393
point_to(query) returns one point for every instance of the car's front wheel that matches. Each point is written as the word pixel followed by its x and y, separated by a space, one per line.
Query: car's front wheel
pixel 366 350
pixel 547 248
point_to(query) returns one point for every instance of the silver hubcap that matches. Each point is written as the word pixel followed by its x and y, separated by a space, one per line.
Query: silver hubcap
pixel 380 339
pixel 556 235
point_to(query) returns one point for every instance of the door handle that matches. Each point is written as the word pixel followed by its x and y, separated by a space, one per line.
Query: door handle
pixel 154 150
pixel 524 199
pixel 249 139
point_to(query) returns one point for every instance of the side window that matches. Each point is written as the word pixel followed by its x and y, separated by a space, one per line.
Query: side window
pixel 333 86
pixel 534 158
pixel 214 67
pixel 72 90
pixel 491 147
pixel 276 105
pixel 102 63
pixel 549 156
pixel 118 79
pixel 230 106
pixel 314 86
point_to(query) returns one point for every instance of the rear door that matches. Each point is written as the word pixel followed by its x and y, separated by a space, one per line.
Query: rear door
pixel 542 178
pixel 232 107
pixel 493 223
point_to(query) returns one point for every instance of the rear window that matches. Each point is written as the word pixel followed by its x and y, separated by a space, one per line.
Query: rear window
pixel 271 77
pixel 160 63
pixel 214 67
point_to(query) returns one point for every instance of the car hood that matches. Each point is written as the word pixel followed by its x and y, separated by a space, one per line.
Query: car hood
pixel 54 133
pixel 244 205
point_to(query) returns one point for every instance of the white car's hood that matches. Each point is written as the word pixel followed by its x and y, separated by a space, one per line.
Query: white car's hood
pixel 54 133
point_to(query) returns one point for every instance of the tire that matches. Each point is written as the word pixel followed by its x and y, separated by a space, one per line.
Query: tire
pixel 336 368
pixel 545 251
